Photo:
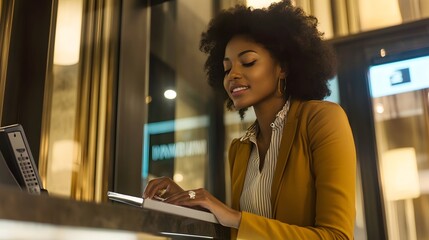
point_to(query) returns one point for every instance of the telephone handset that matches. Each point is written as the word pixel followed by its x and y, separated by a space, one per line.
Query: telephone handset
pixel 17 155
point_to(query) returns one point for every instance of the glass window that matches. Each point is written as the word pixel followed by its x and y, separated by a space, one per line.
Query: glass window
pixel 176 140
pixel 61 143
pixel 78 102
pixel 400 97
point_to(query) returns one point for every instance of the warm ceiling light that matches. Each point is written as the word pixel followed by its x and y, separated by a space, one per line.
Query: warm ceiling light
pixel 170 94
pixel 379 108
pixel 68 32
pixel 260 3
pixel 178 177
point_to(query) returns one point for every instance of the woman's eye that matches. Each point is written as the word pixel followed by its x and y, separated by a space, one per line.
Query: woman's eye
pixel 226 72
pixel 249 64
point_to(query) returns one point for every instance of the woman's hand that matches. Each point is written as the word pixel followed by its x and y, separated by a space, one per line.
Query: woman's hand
pixel 161 188
pixel 202 198
pixel 167 190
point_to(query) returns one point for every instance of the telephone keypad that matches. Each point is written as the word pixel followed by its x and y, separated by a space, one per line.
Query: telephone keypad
pixel 24 163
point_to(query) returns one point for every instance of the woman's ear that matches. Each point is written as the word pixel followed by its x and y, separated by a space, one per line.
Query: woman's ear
pixel 283 71
pixel 283 74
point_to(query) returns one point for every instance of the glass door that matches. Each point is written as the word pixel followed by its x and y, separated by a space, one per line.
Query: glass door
pixel 400 100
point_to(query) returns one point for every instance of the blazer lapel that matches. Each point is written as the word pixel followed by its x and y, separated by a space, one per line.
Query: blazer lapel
pixel 239 172
pixel 289 132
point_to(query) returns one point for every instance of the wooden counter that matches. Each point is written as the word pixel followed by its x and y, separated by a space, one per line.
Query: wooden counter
pixel 20 206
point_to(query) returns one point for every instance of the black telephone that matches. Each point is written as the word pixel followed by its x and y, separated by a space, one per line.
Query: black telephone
pixel 18 165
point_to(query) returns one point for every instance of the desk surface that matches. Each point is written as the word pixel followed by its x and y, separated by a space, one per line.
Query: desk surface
pixel 20 206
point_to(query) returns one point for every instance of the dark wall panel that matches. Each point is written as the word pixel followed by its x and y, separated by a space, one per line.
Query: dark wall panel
pixel 26 74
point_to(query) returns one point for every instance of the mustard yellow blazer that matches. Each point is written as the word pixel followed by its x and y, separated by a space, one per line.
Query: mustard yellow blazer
pixel 313 189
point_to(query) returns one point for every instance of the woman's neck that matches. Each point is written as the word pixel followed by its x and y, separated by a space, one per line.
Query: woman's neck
pixel 266 114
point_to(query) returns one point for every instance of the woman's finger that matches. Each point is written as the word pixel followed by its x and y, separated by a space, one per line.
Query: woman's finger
pixel 157 186
pixel 188 198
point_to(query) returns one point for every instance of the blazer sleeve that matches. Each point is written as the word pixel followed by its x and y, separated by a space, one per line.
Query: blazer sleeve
pixel 332 158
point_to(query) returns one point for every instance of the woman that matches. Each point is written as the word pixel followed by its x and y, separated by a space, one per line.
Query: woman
pixel 293 172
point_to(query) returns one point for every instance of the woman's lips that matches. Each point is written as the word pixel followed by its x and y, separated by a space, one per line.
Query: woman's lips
pixel 236 91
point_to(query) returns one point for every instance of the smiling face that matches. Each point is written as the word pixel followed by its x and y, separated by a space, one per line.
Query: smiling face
pixel 251 74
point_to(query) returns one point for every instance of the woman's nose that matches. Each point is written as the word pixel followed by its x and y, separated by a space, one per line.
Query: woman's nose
pixel 234 73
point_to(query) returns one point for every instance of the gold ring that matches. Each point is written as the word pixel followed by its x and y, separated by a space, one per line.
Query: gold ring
pixel 161 192
pixel 191 194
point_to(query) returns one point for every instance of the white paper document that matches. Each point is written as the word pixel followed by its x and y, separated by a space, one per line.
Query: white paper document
pixel 162 207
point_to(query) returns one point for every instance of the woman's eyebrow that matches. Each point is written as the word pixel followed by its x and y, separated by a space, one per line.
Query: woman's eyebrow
pixel 245 51
pixel 240 54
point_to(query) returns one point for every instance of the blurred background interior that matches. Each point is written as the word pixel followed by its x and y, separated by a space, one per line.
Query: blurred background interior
pixel 112 93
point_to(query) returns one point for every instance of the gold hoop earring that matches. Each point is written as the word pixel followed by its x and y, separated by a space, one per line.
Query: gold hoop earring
pixel 281 89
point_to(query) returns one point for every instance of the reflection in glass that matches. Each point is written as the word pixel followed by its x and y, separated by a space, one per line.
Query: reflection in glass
pixel 176 134
pixel 62 148
pixel 79 100
pixel 400 107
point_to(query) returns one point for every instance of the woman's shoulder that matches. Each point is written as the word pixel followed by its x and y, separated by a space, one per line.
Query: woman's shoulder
pixel 311 107
pixel 318 104
pixel 320 111
pixel 234 145
pixel 235 141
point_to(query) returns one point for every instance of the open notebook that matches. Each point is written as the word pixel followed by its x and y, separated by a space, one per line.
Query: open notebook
pixel 162 207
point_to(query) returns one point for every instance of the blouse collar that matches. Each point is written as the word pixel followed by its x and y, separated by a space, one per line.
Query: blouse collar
pixel 278 122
